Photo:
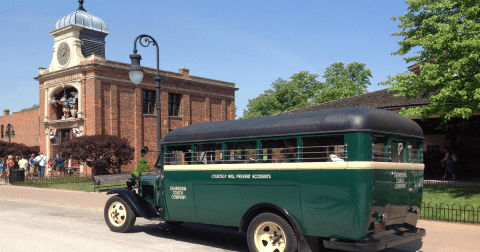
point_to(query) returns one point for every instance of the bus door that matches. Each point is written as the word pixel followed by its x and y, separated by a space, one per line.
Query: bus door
pixel 391 194
pixel 178 183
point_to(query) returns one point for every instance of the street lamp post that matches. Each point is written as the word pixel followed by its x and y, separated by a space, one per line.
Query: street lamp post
pixel 136 76
pixel 9 132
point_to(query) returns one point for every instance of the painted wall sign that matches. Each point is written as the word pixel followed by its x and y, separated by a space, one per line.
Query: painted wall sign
pixel 177 192
pixel 241 176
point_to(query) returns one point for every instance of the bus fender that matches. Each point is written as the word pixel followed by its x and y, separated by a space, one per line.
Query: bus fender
pixel 139 205
pixel 268 207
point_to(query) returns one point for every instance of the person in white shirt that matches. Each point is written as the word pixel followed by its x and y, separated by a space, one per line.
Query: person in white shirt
pixel 22 164
pixel 41 160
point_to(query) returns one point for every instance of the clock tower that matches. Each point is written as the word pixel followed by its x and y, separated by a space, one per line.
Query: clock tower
pixel 76 37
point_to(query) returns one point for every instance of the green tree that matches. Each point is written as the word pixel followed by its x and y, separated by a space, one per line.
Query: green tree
pixel 442 37
pixel 284 95
pixel 103 153
pixel 303 89
pixel 35 106
pixel 344 81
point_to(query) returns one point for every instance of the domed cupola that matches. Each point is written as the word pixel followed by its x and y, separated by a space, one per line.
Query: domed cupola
pixel 83 34
pixel 84 19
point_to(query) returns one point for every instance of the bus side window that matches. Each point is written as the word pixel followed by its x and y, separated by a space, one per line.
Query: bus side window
pixel 324 149
pixel 208 153
pixel 415 152
pixel 381 151
pixel 178 155
pixel 279 150
pixel 241 152
pixel 398 152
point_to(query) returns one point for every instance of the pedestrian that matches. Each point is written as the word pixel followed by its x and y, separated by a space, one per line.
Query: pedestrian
pixel 22 165
pixel 2 169
pixel 448 164
pixel 60 164
pixel 10 165
pixel 31 163
pixel 49 168
pixel 41 161
pixel 16 159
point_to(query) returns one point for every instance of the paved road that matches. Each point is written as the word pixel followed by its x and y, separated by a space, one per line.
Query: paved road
pixel 54 220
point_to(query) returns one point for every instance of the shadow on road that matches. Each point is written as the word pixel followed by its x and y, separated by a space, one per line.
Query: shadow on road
pixel 224 238
pixel 227 238
pixel 410 246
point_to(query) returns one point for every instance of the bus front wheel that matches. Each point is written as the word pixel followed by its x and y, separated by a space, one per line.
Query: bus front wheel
pixel 119 215
pixel 269 232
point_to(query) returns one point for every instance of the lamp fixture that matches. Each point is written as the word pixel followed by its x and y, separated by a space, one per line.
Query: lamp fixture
pixel 136 71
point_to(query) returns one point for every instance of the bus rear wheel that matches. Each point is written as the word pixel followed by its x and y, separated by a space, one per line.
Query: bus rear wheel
pixel 269 232
pixel 119 215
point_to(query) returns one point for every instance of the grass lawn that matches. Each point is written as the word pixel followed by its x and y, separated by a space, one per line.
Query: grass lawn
pixel 451 204
pixel 451 195
pixel 76 183
pixel 86 187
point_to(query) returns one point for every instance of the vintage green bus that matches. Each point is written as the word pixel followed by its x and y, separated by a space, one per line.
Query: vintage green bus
pixel 353 177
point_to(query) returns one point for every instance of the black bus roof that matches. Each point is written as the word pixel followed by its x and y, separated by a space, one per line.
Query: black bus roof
pixel 342 120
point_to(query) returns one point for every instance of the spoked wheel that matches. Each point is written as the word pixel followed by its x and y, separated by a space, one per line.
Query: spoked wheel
pixel 119 215
pixel 269 232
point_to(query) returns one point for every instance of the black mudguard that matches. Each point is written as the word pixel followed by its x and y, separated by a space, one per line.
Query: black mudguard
pixel 140 206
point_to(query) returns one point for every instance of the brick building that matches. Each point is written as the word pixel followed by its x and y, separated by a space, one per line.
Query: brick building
pixel 82 93
pixel 26 125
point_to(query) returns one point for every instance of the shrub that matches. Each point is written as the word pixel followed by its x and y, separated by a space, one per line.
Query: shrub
pixel 103 153
pixel 16 149
pixel 142 167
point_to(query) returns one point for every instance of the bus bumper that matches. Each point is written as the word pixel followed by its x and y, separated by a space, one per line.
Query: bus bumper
pixel 383 242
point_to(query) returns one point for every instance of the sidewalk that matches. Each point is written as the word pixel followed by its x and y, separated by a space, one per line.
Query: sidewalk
pixel 441 236
pixel 54 197
pixel 445 236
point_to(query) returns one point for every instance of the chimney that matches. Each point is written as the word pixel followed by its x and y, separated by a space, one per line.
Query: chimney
pixel 6 112
pixel 184 72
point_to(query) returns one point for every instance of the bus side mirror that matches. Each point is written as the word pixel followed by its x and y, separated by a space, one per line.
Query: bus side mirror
pixel 144 150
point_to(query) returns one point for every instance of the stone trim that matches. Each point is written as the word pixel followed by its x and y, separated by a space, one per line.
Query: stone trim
pixel 167 87
pixel 227 85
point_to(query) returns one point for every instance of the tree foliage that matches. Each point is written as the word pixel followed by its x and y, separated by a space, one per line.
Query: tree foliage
pixel 303 89
pixel 284 95
pixel 104 153
pixel 35 106
pixel 142 167
pixel 16 149
pixel 443 37
pixel 344 81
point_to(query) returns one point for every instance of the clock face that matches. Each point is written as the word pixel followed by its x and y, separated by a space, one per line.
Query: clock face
pixel 63 54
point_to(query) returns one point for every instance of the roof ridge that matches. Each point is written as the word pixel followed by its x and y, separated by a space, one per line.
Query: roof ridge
pixel 332 101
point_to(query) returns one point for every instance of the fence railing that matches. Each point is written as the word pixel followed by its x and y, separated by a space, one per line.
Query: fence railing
pixel 451 213
pixel 452 183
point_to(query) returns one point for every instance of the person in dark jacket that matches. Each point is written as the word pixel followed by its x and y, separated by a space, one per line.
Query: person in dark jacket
pixel 60 164
pixel 448 164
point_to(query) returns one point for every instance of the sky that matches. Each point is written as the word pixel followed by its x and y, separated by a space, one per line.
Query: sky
pixel 251 43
